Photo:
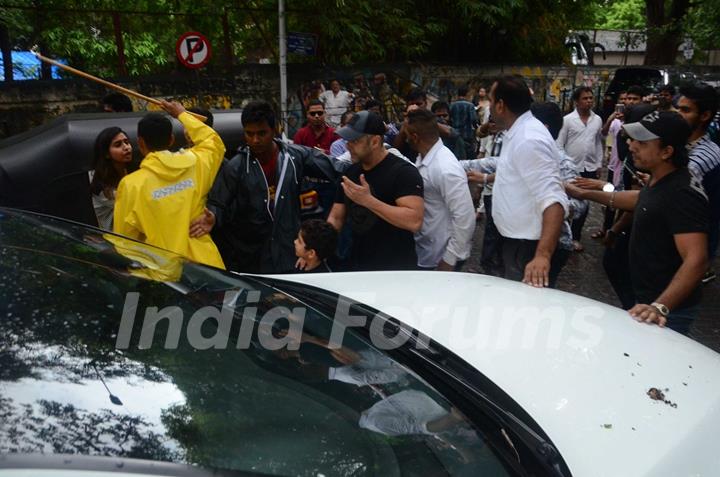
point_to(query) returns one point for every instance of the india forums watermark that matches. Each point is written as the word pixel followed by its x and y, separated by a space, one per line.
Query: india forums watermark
pixel 460 328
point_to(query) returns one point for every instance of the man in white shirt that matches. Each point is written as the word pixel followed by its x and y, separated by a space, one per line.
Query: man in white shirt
pixel 581 138
pixel 529 201
pixel 336 102
pixel 445 239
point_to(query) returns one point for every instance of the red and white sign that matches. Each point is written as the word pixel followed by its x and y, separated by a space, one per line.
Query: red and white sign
pixel 193 49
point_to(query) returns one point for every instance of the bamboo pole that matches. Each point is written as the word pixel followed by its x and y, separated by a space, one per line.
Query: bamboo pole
pixel 108 84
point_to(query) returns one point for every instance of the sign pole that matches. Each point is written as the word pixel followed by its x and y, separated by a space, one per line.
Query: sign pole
pixel 283 66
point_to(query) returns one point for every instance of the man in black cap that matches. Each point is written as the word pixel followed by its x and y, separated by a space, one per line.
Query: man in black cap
pixel 668 243
pixel 381 196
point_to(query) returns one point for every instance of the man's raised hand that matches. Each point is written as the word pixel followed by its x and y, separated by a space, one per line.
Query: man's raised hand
pixel 358 193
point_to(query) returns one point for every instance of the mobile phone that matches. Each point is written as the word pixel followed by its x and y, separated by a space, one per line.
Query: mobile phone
pixel 619 108
pixel 633 174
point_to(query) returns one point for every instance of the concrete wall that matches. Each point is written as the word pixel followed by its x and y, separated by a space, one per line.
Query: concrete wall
pixel 619 58
pixel 25 104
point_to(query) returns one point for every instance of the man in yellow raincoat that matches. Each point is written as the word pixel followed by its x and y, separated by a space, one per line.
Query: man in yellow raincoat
pixel 156 203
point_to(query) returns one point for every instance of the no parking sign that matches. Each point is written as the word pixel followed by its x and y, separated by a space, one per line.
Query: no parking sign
pixel 193 49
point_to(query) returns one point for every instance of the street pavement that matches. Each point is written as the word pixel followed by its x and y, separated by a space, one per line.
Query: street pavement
pixel 584 275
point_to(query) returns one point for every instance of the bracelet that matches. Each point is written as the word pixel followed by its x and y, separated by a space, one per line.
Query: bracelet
pixel 484 180
pixel 612 199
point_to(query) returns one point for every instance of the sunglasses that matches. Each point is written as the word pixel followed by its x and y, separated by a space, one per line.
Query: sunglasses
pixel 316 113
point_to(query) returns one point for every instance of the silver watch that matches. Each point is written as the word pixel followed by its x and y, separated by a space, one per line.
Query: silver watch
pixel 664 310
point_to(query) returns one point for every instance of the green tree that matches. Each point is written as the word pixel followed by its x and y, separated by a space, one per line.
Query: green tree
pixel 664 30
pixel 664 24
pixel 702 22
pixel 349 31
pixel 83 33
pixel 620 15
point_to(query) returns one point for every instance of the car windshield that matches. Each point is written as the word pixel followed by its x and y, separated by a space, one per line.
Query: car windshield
pixel 111 348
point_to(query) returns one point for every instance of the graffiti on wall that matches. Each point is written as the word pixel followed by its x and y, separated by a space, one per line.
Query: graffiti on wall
pixel 385 86
pixel 41 102
pixel 548 83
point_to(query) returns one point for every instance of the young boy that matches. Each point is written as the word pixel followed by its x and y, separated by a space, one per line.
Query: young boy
pixel 315 243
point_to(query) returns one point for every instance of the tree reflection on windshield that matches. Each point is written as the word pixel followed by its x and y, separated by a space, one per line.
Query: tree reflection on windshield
pixel 311 410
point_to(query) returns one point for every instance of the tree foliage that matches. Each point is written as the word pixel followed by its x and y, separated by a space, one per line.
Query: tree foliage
pixel 620 15
pixel 701 24
pixel 83 33
pixel 664 24
pixel 349 31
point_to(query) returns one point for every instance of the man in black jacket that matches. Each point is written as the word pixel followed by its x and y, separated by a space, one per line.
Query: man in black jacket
pixel 253 208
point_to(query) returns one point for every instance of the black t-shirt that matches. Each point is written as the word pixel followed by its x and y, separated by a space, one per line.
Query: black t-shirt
pixel 676 204
pixel 322 268
pixel 377 245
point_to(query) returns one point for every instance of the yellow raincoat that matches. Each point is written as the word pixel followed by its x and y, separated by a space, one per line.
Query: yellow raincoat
pixel 156 203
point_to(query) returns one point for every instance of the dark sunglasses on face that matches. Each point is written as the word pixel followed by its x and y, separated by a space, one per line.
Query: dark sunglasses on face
pixel 316 113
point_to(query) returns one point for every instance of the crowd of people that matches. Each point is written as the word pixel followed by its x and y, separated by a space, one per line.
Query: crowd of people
pixel 403 188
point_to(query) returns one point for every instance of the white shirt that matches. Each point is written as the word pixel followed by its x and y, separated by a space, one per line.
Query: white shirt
pixel 583 142
pixel 449 220
pixel 527 180
pixel 335 105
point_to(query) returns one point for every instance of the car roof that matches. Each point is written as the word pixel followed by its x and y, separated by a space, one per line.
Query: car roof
pixel 646 77
pixel 582 369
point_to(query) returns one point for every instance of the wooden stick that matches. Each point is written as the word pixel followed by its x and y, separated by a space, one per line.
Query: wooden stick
pixel 107 83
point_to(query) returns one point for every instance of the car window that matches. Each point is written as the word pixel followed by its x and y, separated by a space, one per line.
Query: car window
pixel 106 354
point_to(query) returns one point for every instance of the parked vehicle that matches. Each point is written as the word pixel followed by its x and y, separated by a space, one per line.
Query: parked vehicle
pixel 120 358
pixel 46 169
pixel 648 78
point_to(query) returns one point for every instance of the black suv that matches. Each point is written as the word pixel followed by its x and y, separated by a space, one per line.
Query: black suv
pixel 647 77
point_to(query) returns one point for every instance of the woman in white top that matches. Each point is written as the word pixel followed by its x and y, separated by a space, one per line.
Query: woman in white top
pixel 113 154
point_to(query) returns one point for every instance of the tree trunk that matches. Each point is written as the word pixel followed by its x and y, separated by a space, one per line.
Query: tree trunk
pixel 119 45
pixel 664 34
pixel 6 52
pixel 227 41
pixel 45 70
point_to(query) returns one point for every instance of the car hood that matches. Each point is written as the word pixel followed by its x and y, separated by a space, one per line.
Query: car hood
pixel 582 369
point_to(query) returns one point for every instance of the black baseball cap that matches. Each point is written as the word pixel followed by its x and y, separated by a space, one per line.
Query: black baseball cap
pixel 666 125
pixel 362 123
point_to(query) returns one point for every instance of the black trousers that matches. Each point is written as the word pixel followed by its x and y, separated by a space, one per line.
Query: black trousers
pixel 517 253
pixel 491 255
pixel 578 224
pixel 616 263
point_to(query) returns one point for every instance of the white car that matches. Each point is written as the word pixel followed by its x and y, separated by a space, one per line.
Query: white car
pixel 117 358
pixel 616 397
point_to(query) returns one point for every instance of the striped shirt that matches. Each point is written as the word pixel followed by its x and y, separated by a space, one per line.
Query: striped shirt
pixel 704 156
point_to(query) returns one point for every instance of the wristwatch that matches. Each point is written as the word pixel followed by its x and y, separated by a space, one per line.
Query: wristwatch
pixel 608 187
pixel 664 310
